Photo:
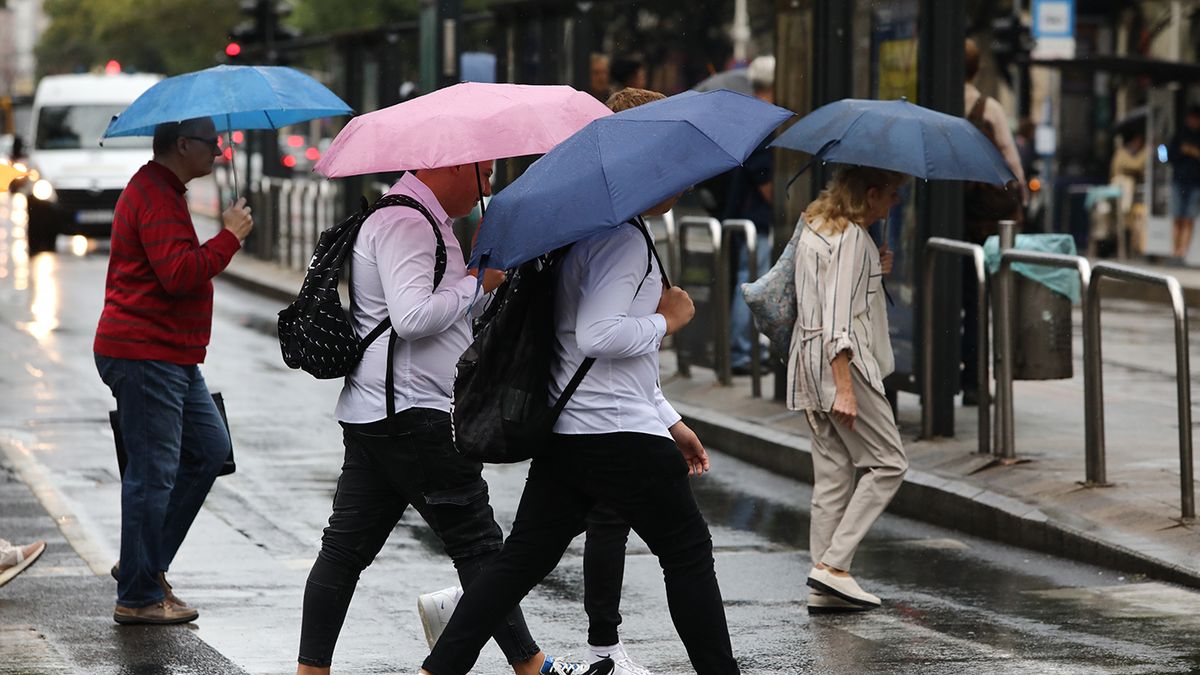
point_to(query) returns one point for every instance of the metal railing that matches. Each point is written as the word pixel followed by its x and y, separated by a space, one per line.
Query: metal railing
pixel 1005 441
pixel 1096 470
pixel 717 295
pixel 289 216
pixel 933 247
pixel 749 232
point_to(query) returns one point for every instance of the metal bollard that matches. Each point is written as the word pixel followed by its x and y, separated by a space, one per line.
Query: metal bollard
pixel 705 293
pixel 1004 373
pixel 1096 471
pixel 933 247
pixel 1005 434
pixel 749 231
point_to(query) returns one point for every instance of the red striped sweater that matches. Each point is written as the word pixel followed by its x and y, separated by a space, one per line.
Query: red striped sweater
pixel 158 293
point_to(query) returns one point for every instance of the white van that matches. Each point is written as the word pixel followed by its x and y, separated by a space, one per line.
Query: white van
pixel 78 180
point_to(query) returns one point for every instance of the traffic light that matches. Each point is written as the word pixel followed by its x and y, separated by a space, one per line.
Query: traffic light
pixel 1012 41
pixel 262 30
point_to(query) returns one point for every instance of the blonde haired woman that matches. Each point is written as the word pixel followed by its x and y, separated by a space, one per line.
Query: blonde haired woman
pixel 839 355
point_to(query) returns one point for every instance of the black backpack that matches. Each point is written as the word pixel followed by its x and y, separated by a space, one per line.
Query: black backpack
pixel 502 412
pixel 315 333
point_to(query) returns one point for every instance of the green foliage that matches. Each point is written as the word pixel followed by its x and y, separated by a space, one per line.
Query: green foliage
pixel 320 17
pixel 162 36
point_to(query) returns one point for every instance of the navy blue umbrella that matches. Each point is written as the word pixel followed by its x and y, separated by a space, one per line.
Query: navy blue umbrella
pixel 618 167
pixel 899 136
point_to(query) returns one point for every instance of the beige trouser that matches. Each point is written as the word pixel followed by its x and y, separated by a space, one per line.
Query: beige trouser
pixel 841 512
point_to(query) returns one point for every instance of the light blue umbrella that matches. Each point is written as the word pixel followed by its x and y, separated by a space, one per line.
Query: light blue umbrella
pixel 618 167
pixel 899 136
pixel 235 97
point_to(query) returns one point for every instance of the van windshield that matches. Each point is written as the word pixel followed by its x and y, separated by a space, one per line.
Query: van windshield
pixel 77 127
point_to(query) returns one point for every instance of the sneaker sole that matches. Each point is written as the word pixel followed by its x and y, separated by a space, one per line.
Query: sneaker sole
pixel 136 620
pixel 826 588
pixel 12 572
pixel 428 617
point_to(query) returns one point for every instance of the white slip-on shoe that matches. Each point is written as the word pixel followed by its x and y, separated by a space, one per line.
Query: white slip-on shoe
pixel 845 588
pixel 20 558
pixel 622 663
pixel 820 602
pixel 435 609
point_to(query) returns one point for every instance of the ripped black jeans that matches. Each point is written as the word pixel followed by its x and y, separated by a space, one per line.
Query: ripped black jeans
pixel 387 468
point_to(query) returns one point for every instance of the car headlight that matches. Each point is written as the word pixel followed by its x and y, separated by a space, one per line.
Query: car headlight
pixel 43 190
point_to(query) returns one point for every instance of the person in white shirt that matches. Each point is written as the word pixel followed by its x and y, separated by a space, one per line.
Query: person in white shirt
pixel 408 458
pixel 618 443
pixel 839 355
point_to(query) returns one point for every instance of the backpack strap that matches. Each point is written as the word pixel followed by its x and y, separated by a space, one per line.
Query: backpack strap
pixel 439 271
pixel 584 367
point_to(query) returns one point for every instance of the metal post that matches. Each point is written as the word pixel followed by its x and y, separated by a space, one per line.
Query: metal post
pixel 1005 433
pixel 1004 378
pixel 712 227
pixel 1183 387
pixel 749 231
pixel 1096 470
pixel 933 247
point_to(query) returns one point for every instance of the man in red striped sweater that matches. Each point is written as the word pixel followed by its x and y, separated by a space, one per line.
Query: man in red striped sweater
pixel 151 339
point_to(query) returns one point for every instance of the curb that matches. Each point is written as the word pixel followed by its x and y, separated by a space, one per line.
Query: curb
pixel 936 500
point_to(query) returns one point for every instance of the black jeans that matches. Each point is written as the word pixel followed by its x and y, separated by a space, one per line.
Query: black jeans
pixel 644 479
pixel 387 468
pixel 604 573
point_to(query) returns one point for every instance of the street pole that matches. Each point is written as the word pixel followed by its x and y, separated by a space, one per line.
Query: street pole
pixel 940 205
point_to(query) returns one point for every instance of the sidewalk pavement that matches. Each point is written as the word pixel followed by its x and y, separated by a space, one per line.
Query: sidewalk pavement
pixel 1040 503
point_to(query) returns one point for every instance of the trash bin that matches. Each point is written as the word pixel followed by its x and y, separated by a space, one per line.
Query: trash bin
pixel 1042 329
pixel 1041 332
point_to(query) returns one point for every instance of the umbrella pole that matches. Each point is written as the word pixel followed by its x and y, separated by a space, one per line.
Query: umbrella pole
pixel 232 162
pixel 479 185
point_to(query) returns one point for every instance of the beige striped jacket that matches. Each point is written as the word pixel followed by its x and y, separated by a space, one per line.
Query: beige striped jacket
pixel 840 302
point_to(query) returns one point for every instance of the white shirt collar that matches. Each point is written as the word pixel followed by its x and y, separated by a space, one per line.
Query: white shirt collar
pixel 411 185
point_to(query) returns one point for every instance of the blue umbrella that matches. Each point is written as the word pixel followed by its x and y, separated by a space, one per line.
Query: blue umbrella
pixel 235 97
pixel 618 167
pixel 899 136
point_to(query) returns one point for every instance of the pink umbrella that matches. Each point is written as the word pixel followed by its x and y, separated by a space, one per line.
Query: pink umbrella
pixel 461 124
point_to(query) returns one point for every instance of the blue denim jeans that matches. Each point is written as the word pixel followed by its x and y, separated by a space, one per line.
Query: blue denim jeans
pixel 176 443
pixel 739 312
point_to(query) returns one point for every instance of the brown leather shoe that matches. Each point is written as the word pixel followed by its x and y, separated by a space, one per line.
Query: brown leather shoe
pixel 159 613
pixel 162 583
pixel 167 591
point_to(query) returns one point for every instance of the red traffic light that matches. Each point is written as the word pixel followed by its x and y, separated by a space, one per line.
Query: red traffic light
pixel 233 49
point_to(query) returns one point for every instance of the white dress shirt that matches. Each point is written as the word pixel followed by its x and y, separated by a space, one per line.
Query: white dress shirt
pixel 839 295
pixel 392 271
pixel 598 315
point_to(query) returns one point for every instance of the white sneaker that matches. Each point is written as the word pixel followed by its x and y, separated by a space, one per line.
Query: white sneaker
pixel 554 666
pixel 819 602
pixel 622 663
pixel 845 588
pixel 435 610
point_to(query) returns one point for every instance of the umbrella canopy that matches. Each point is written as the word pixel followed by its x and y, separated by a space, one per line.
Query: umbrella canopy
pixel 899 136
pixel 462 124
pixel 737 80
pixel 619 167
pixel 235 97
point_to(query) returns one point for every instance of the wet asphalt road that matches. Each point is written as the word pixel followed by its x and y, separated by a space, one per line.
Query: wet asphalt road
pixel 954 604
